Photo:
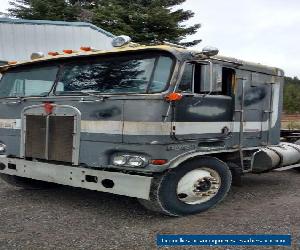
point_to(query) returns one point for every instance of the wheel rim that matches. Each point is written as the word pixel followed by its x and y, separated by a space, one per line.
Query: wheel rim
pixel 198 186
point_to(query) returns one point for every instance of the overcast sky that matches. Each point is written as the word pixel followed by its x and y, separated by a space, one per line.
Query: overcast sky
pixel 262 31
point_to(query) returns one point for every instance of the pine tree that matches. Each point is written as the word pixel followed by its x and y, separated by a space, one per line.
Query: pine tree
pixel 56 10
pixel 291 95
pixel 146 21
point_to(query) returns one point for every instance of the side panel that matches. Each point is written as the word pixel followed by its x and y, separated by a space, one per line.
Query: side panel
pixel 147 121
pixel 204 118
pixel 258 107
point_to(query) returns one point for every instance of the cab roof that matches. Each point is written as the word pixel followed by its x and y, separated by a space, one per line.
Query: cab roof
pixel 181 54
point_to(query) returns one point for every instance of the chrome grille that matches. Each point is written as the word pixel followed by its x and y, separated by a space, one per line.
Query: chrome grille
pixel 49 137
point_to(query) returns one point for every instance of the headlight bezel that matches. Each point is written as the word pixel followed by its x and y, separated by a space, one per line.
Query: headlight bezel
pixel 129 160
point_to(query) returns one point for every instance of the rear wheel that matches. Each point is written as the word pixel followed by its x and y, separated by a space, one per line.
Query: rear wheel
pixel 26 183
pixel 193 187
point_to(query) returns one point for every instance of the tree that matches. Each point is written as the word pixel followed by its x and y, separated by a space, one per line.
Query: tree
pixel 291 95
pixel 145 21
pixel 40 9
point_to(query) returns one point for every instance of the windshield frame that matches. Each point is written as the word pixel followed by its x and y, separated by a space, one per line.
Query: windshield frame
pixel 108 57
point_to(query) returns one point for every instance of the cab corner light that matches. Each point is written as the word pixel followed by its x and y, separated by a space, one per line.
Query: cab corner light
pixel 173 97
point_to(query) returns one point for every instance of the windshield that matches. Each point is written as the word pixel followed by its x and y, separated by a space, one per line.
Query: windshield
pixel 147 74
pixel 133 73
pixel 36 81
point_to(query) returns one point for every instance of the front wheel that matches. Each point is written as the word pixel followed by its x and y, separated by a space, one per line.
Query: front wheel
pixel 193 187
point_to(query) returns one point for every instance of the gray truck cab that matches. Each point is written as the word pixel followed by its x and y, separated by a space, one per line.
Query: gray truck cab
pixel 166 125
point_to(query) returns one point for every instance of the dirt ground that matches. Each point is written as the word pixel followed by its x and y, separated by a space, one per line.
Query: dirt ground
pixel 69 218
pixel 290 121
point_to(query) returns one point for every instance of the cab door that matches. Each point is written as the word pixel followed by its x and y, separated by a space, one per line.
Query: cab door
pixel 204 114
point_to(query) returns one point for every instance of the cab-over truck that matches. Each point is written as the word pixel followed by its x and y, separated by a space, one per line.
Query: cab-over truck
pixel 170 126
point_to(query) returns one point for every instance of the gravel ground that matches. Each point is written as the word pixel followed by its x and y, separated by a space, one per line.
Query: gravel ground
pixel 69 218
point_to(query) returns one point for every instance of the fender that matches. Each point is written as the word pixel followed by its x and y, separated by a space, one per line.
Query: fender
pixel 192 154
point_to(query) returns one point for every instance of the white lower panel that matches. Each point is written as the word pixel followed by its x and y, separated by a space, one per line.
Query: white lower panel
pixel 124 184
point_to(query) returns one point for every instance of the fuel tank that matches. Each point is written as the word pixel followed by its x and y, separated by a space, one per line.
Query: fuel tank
pixel 272 157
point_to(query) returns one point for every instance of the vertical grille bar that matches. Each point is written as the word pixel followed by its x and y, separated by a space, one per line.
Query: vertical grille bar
pixel 60 145
pixel 35 136
pixel 47 139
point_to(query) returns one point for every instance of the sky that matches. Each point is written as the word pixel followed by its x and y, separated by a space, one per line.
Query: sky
pixel 262 31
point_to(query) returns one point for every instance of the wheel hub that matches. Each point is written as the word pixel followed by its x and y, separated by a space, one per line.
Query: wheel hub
pixel 203 185
pixel 198 186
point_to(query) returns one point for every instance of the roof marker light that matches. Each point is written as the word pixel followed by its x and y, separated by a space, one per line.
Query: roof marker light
pixel 52 53
pixel 12 62
pixel 83 48
pixel 68 51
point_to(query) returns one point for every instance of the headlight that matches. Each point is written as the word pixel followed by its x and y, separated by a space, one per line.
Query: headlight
pixel 136 162
pixel 119 160
pixel 2 148
pixel 129 160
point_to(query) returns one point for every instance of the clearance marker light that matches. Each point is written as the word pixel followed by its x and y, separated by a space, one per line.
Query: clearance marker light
pixel 12 62
pixel 85 48
pixel 68 51
pixel 52 53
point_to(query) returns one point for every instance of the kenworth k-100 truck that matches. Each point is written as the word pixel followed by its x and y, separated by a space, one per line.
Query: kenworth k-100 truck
pixel 170 126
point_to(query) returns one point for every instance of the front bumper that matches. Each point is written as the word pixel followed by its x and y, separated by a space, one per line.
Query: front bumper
pixel 111 182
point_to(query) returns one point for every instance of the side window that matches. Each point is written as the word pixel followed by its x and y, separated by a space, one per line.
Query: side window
pixel 223 80
pixel 161 74
pixel 187 79
pixel 196 79
pixel 228 81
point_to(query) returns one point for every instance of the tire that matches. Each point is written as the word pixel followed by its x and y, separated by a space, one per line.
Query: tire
pixel 298 143
pixel 26 183
pixel 236 172
pixel 207 181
